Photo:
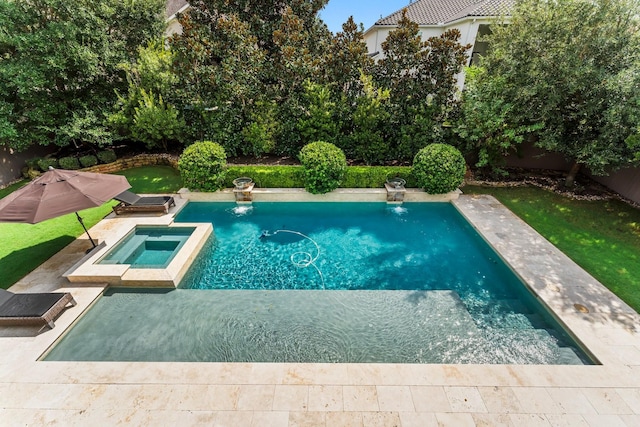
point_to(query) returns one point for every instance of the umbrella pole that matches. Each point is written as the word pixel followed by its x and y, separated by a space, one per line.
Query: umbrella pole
pixel 85 229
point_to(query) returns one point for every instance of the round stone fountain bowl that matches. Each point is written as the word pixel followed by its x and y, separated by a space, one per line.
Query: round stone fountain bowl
pixel 242 182
pixel 396 182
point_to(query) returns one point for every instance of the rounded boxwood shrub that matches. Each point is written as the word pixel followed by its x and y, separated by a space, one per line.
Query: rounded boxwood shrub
pixel 69 163
pixel 88 161
pixel 107 156
pixel 44 164
pixel 202 166
pixel 324 166
pixel 439 168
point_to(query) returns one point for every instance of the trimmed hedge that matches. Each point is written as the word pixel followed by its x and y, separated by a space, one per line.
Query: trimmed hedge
pixel 88 161
pixel 324 166
pixel 69 163
pixel 44 164
pixel 203 166
pixel 107 156
pixel 268 176
pixel 277 176
pixel 376 176
pixel 439 168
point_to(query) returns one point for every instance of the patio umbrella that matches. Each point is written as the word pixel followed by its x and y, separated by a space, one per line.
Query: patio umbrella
pixel 59 192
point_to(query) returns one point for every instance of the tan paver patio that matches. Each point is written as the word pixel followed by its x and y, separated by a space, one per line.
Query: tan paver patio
pixel 245 394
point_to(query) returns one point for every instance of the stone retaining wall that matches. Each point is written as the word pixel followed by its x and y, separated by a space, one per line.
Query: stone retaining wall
pixel 134 162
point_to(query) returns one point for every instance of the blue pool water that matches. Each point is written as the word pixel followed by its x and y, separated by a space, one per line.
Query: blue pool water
pixel 330 282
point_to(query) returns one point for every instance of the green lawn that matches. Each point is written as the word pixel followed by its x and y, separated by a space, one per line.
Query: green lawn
pixel 23 247
pixel 603 237
pixel 153 179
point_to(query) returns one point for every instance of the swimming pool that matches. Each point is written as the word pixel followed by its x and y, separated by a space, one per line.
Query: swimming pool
pixel 330 282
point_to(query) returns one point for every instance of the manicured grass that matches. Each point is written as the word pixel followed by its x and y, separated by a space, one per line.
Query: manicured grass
pixel 603 237
pixel 153 179
pixel 23 247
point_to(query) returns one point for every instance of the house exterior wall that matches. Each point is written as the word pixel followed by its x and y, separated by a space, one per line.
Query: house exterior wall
pixel 469 28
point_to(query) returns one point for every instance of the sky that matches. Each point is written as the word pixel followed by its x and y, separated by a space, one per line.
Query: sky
pixel 366 11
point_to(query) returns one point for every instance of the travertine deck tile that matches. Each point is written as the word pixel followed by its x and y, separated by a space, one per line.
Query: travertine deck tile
pixel 270 419
pixel 536 400
pixel 529 420
pixel 395 398
pixel 233 418
pixel 256 397
pixel 380 419
pixel 571 400
pixel 607 401
pixel 500 400
pixel 291 398
pixel 492 420
pixel 455 419
pixel 430 399
pixel 307 419
pixel 326 398
pixel 596 420
pixel 360 398
pixel 465 399
pixel 566 420
pixel 418 419
pixel 344 419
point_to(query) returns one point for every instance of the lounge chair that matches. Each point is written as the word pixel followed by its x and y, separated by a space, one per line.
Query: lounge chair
pixel 131 202
pixel 32 309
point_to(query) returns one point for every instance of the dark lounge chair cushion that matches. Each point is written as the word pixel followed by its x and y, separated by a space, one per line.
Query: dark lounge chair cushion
pixel 28 305
pixel 128 197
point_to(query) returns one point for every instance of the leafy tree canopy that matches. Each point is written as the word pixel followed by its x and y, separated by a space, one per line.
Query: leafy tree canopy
pixel 59 65
pixel 567 72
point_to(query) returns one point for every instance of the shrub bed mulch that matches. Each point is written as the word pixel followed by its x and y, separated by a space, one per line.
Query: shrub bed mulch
pixel 585 188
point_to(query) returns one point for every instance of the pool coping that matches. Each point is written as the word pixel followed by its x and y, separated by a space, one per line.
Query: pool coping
pixel 366 394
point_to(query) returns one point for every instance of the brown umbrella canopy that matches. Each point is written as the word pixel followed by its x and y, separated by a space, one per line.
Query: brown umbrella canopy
pixel 59 192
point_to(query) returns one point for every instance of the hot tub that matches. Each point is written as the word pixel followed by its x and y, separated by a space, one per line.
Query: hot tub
pixel 144 256
pixel 148 246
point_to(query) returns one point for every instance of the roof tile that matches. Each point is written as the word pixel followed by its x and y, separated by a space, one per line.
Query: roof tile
pixel 433 12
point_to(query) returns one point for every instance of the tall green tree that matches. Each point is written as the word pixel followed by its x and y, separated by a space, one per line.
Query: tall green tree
pixel 421 78
pixel 346 58
pixel 218 64
pixel 59 65
pixel 569 69
pixel 235 57
pixel 150 79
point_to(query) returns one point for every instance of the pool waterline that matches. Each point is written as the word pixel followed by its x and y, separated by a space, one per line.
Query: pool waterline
pixel 474 304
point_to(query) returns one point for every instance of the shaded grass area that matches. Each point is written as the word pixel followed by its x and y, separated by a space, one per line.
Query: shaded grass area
pixel 23 247
pixel 153 179
pixel 603 237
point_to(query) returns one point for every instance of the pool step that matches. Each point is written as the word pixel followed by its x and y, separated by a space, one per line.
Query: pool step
pixel 569 357
pixel 123 252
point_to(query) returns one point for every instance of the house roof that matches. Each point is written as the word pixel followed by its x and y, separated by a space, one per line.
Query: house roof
pixel 434 12
pixel 173 6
